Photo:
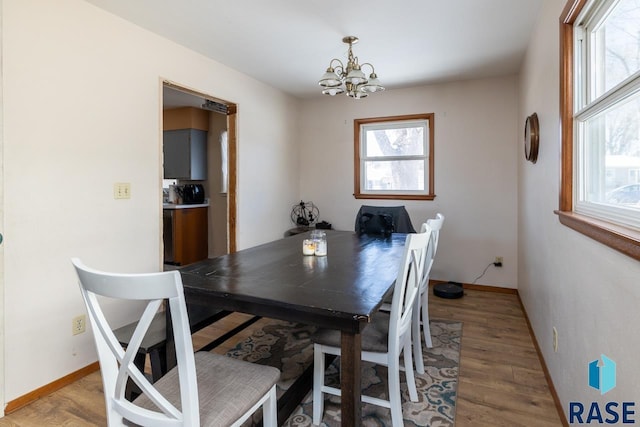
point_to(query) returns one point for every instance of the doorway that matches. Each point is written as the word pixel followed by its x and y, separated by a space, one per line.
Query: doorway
pixel 221 177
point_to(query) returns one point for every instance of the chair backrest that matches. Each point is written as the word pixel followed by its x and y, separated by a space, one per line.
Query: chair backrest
pixel 436 225
pixel 407 286
pixel 118 366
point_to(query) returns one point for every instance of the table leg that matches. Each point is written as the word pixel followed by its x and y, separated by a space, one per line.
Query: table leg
pixel 350 384
pixel 170 347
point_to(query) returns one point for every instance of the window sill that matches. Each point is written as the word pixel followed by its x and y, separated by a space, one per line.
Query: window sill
pixel 395 196
pixel 620 238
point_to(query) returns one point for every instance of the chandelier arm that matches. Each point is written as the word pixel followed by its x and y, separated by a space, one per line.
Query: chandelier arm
pixel 373 70
pixel 337 67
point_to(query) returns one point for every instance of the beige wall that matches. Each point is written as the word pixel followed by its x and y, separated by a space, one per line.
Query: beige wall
pixel 589 292
pixel 82 108
pixel 476 153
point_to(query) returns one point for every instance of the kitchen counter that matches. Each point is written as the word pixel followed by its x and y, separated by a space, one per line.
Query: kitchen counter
pixel 175 206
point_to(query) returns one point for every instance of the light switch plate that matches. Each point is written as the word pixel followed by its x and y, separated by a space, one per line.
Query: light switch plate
pixel 122 190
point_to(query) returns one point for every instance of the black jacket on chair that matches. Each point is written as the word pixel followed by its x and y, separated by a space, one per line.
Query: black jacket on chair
pixel 371 218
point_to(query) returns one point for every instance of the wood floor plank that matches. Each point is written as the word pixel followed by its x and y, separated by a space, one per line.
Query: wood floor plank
pixel 533 407
pixel 471 413
pixel 501 334
pixel 501 382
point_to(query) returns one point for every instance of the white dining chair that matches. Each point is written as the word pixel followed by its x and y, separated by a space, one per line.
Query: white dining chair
pixel 203 389
pixel 421 311
pixel 384 340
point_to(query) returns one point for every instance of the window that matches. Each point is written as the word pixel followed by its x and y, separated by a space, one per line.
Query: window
pixel 600 109
pixel 394 157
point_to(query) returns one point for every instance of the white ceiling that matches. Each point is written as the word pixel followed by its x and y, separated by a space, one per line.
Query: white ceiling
pixel 288 43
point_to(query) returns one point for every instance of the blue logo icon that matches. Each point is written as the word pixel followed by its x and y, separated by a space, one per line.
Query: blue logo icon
pixel 602 377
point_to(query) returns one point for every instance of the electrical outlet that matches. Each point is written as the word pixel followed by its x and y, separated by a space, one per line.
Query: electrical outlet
pixel 79 324
pixel 122 190
pixel 498 261
pixel 555 339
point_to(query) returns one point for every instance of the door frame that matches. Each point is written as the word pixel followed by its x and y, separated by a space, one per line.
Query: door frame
pixel 232 160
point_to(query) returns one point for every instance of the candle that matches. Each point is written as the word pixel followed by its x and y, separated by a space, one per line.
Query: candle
pixel 308 247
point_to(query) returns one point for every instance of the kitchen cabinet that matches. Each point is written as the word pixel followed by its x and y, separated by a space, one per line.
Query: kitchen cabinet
pixel 185 234
pixel 185 154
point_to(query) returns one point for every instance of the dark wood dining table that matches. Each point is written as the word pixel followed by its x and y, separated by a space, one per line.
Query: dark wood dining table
pixel 341 290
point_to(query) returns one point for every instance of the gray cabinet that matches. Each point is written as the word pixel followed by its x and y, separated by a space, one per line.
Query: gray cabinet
pixel 185 154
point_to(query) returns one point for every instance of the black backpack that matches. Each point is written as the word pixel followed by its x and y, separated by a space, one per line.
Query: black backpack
pixel 376 224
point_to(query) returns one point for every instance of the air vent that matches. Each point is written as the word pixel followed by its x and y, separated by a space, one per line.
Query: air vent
pixel 215 106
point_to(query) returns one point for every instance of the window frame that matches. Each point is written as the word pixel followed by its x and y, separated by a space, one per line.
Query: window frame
pixel 623 239
pixel 358 192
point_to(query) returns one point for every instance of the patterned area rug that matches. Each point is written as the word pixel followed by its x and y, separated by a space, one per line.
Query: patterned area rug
pixel 288 347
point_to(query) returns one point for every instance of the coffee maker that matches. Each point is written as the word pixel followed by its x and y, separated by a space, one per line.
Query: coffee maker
pixel 192 194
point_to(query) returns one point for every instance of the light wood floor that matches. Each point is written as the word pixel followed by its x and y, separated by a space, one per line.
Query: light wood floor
pixel 501 382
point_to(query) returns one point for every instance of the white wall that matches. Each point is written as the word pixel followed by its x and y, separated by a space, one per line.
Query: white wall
pixel 476 152
pixel 588 291
pixel 82 110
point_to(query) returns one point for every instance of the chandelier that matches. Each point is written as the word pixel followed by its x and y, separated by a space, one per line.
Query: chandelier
pixel 350 78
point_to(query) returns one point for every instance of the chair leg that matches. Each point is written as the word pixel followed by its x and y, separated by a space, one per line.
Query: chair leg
pixel 395 400
pixel 425 319
pixel 416 337
pixel 411 380
pixel 318 383
pixel 270 409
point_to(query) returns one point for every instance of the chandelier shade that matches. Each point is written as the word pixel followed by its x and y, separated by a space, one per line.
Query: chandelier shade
pixel 349 78
pixel 337 90
pixel 373 85
pixel 330 79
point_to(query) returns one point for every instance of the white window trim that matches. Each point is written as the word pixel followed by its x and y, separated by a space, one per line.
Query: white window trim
pixel 364 128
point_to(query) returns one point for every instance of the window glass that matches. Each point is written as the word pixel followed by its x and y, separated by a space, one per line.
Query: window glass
pixel 400 141
pixel 400 175
pixel 616 45
pixel 611 155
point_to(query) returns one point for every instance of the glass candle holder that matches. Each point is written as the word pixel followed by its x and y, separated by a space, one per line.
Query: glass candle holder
pixel 320 239
pixel 308 247
pixel 321 248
